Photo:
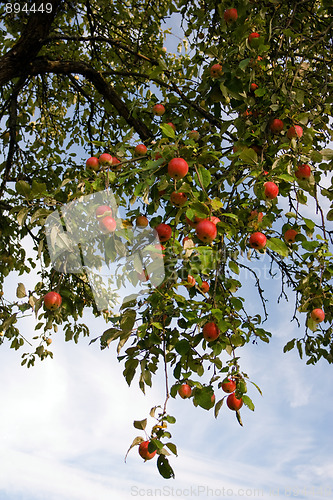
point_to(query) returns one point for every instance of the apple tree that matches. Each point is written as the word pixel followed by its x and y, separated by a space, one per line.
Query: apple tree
pixel 210 122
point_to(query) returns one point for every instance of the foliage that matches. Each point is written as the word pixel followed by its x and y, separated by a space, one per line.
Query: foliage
pixel 82 80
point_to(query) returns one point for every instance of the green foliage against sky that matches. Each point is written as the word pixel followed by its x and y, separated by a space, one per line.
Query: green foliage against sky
pixel 81 78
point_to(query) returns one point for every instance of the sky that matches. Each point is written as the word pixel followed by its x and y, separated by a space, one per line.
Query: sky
pixel 67 423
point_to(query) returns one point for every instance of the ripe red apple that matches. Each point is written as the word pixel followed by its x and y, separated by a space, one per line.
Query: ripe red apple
pixel 143 451
pixel 318 315
pixel 114 161
pixel 253 87
pixel 254 39
pixel 108 224
pixel 230 15
pixel 177 168
pixel 141 221
pixel 92 163
pixel 211 331
pixel 185 391
pixel 140 150
pixel 205 286
pixel 164 232
pixel 172 126
pixel 290 235
pixel 216 70
pixel 206 231
pixel 303 172
pixel 213 399
pixel 257 240
pixel 276 126
pixel 271 190
pixel 52 301
pixel 194 134
pixel 105 159
pixel 178 199
pixel 159 109
pixel 233 402
pixel 191 281
pixel 228 385
pixel 295 131
pixel 102 211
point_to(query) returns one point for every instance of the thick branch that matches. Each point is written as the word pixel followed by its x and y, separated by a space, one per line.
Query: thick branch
pixel 41 66
pixel 16 61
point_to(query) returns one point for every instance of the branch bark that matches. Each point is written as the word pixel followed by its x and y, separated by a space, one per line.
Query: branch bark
pixel 16 61
pixel 43 65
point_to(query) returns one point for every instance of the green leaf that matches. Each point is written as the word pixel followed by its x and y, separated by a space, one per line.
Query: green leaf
pixel 204 177
pixel 182 347
pixel 327 154
pixel 167 130
pixel 248 155
pixel 217 407
pixel 164 467
pixel 20 291
pixel 329 215
pixel 203 397
pixel 23 188
pixel 289 345
pixel 233 266
pixel 278 246
pixel 309 223
pixel 127 320
pixel 248 402
pixel 173 448
pixel 244 64
pixel 140 424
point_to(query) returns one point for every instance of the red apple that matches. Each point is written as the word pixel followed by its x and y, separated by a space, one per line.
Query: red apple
pixel 254 39
pixel 102 211
pixel 92 163
pixel 230 15
pixel 140 150
pixel 228 385
pixel 257 240
pixel 178 199
pixel 143 451
pixel 211 331
pixel 105 159
pixel 141 221
pixel 191 281
pixel 216 70
pixel 177 168
pixel 303 172
pixel 318 315
pixel 271 190
pixel 205 286
pixel 164 232
pixel 185 391
pixel 253 87
pixel 194 134
pixel 206 231
pixel 159 109
pixel 256 148
pixel 295 131
pixel 276 126
pixel 233 402
pixel 52 301
pixel 108 224
pixel 290 235
pixel 114 161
